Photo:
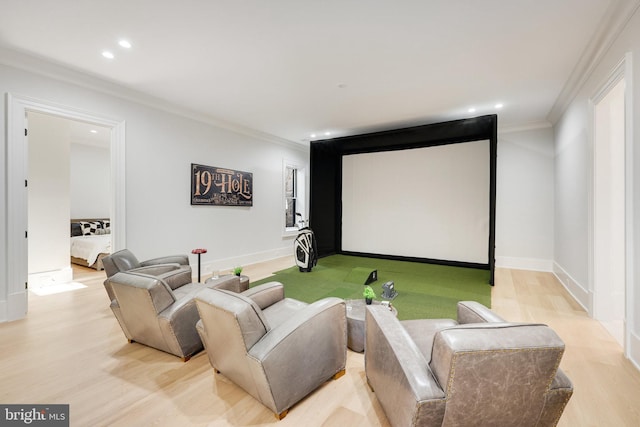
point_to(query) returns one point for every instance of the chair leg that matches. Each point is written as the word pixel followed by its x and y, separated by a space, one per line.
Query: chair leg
pixel 339 374
pixel 281 415
pixel 185 358
pixel 370 386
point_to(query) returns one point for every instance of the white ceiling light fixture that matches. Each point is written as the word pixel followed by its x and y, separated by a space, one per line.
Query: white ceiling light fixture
pixel 107 54
pixel 327 133
pixel 125 44
pixel 471 110
pixel 499 106
pixel 93 131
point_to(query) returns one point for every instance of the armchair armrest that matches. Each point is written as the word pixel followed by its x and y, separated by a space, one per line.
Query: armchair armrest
pixel 156 269
pixel 302 352
pixel 175 275
pixel 160 293
pixel 178 325
pixel 398 373
pixel 266 294
pixel 556 399
pixel 230 282
pixel 474 312
pixel 172 259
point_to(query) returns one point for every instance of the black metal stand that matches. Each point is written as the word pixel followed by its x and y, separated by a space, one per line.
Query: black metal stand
pixel 199 252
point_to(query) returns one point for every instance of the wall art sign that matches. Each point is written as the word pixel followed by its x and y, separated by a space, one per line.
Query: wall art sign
pixel 212 185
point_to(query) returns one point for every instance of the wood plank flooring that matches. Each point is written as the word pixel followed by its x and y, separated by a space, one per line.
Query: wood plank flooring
pixel 70 349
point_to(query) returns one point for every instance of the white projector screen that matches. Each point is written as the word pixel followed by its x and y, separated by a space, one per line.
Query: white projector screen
pixel 430 202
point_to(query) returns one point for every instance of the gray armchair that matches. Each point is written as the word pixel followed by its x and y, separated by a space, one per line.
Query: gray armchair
pixel 478 371
pixel 277 349
pixel 152 312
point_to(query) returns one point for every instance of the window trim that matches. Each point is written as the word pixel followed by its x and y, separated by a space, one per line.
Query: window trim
pixel 300 196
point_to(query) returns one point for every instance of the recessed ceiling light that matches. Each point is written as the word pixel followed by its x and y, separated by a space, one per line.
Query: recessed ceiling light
pixel 327 133
pixel 471 110
pixel 93 131
pixel 313 135
pixel 125 44
pixel 498 106
pixel 107 54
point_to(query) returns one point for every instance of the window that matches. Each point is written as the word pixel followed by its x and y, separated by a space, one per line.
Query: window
pixel 294 197
pixel 290 196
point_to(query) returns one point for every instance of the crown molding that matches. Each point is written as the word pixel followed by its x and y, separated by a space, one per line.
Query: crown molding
pixel 57 71
pixel 523 127
pixel 618 15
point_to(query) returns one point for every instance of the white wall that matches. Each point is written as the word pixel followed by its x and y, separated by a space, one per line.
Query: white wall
pixel 48 194
pixel 524 200
pixel 573 135
pixel 90 181
pixel 160 146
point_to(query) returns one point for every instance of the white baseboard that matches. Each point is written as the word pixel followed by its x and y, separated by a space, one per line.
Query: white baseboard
pixel 634 350
pixel 516 263
pixel 46 278
pixel 229 263
pixel 577 291
pixel 14 307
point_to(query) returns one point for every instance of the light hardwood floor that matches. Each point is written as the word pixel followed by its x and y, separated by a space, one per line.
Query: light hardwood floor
pixel 70 349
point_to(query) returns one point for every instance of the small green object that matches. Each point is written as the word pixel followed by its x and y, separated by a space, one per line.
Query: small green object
pixel 237 270
pixel 368 292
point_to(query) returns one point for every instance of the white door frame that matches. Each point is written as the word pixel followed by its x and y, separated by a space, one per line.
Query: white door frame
pixel 17 173
pixel 622 71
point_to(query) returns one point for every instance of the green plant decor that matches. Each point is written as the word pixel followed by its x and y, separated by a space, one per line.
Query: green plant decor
pixel 368 292
pixel 237 270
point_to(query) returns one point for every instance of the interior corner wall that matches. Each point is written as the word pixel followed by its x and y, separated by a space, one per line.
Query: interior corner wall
pixel 161 144
pixel 573 162
pixel 524 200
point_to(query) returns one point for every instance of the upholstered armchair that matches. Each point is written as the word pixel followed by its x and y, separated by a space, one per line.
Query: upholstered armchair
pixel 477 371
pixel 277 349
pixel 153 313
pixel 174 269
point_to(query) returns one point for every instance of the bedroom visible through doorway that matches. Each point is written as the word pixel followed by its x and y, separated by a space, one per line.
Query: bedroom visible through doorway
pixel 68 181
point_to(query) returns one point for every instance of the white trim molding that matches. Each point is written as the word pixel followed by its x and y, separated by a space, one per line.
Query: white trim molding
pixel 16 304
pixel 517 263
pixel 616 18
pixel 579 293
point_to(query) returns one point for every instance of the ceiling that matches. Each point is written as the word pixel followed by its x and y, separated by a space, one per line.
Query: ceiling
pixel 292 68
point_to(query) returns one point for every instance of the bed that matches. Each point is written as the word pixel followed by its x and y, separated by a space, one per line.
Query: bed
pixel 90 241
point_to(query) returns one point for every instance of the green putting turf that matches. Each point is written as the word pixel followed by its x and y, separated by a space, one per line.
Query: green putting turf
pixel 424 290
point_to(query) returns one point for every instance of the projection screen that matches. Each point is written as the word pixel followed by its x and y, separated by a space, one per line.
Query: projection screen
pixel 430 202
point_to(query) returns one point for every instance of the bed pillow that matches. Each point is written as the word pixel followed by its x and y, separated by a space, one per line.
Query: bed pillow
pixel 76 229
pixel 90 227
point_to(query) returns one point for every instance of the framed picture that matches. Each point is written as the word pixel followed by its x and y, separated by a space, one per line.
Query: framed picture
pixel 211 185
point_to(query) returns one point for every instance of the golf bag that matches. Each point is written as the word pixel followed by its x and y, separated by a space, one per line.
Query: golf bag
pixel 304 248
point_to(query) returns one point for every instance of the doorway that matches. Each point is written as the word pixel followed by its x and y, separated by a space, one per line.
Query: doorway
pixel 68 179
pixel 17 194
pixel 609 265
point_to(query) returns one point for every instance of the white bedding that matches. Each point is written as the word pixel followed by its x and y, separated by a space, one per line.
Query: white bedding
pixel 89 247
